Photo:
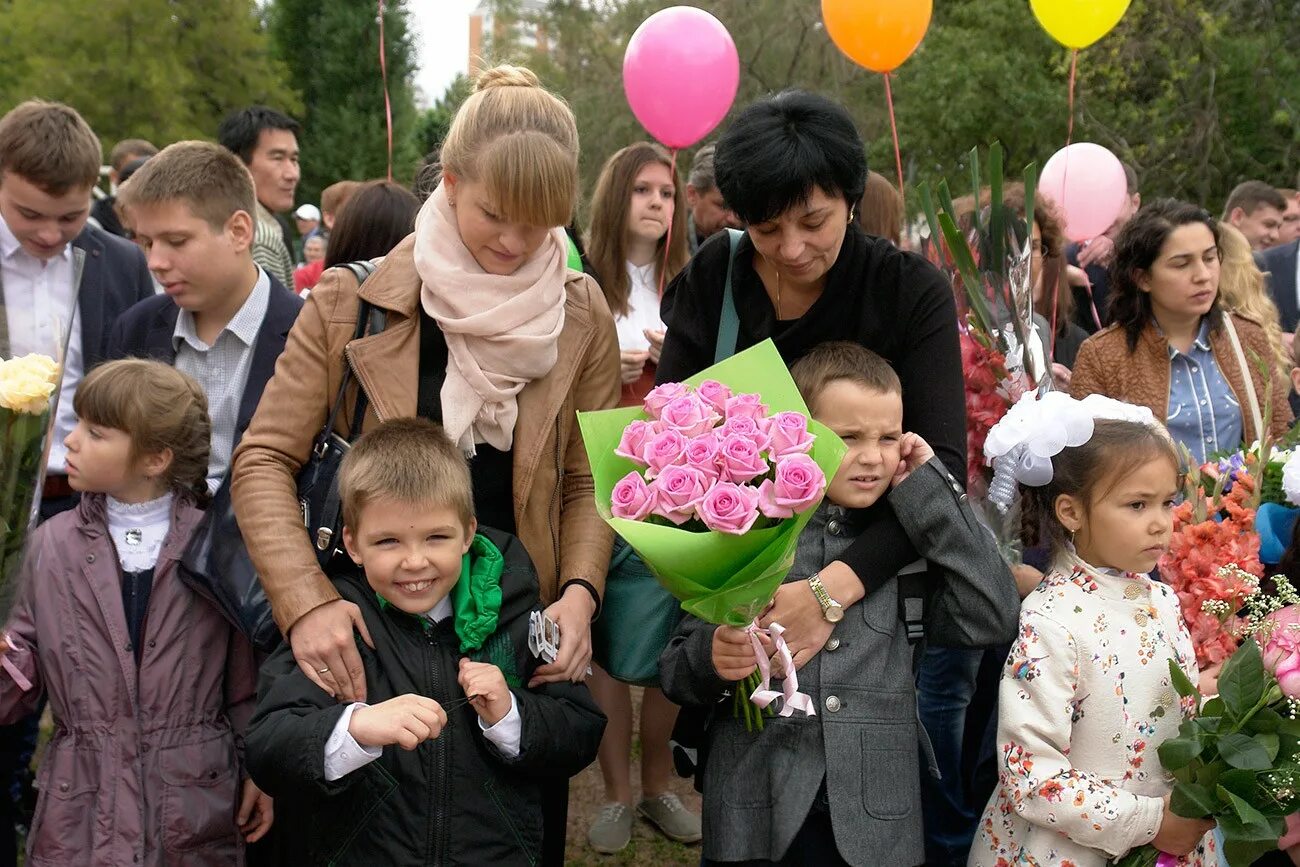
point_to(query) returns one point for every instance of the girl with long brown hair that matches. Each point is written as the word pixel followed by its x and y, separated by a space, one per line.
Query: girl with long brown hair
pixel 637 200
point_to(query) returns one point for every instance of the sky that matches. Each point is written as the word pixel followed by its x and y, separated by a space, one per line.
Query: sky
pixel 442 36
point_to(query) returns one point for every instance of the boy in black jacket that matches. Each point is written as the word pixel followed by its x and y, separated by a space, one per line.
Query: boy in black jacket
pixel 447 611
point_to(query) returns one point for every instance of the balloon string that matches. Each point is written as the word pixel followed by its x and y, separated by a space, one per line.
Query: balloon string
pixel 388 105
pixel 668 238
pixel 893 128
pixel 1074 63
pixel 1056 300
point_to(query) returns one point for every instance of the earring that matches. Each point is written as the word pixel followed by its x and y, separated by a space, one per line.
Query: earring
pixel 853 212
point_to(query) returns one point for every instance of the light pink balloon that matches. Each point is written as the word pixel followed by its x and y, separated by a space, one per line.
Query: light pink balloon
pixel 1087 183
pixel 680 74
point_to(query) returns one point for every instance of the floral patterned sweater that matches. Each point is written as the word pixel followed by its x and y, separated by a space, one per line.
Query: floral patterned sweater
pixel 1085 700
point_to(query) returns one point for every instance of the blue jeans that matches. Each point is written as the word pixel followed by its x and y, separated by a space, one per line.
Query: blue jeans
pixel 945 686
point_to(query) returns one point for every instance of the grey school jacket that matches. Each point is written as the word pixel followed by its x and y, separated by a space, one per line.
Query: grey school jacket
pixel 759 787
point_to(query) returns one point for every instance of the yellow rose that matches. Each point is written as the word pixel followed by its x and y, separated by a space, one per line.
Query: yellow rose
pixel 27 383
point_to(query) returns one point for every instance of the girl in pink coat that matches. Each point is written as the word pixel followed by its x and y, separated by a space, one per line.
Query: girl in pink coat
pixel 149 685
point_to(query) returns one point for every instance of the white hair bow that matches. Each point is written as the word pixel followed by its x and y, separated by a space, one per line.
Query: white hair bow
pixel 1021 446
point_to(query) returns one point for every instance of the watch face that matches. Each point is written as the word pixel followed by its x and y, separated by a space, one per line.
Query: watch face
pixel 835 613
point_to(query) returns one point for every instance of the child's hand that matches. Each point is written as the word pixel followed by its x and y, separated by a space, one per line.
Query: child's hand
pixel 1179 835
pixel 407 721
pixel 1027 578
pixel 914 451
pixel 256 812
pixel 1209 680
pixel 733 653
pixel 486 685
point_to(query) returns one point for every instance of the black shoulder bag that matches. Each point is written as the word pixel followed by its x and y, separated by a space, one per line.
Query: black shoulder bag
pixel 216 563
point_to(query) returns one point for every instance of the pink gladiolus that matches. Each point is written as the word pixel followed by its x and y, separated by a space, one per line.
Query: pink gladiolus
pixel 729 508
pixel 798 486
pixel 753 429
pixel 631 498
pixel 741 459
pixel 789 432
pixel 749 405
pixel 1282 650
pixel 665 449
pixel 704 454
pixel 690 415
pixel 633 442
pixel 715 394
pixel 661 395
pixel 678 491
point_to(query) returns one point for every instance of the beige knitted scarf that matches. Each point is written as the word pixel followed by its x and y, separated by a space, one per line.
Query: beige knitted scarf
pixel 502 332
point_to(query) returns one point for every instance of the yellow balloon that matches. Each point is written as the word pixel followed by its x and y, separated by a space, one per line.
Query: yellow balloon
pixel 1078 23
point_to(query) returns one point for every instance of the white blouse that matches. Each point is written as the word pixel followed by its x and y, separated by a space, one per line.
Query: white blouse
pixel 138 530
pixel 643 309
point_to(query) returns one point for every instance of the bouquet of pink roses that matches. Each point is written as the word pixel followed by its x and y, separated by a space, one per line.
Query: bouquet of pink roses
pixel 712 480
pixel 702 453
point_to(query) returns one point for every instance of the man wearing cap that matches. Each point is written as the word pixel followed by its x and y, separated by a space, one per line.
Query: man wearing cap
pixel 307 219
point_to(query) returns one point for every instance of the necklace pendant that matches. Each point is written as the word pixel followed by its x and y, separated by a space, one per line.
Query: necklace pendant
pixel 134 536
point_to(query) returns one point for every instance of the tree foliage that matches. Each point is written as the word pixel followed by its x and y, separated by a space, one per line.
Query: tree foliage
pixel 157 69
pixel 331 48
pixel 1196 94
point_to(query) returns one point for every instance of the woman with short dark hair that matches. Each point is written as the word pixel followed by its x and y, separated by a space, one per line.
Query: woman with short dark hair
pixel 792 167
pixel 1170 344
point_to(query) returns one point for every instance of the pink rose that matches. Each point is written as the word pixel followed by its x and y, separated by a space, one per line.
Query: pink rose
pixel 633 442
pixel 1282 650
pixel 704 453
pixel 715 394
pixel 664 449
pixel 789 432
pixel 631 498
pixel 661 395
pixel 797 487
pixel 741 459
pixel 752 429
pixel 729 508
pixel 750 405
pixel 690 415
pixel 677 491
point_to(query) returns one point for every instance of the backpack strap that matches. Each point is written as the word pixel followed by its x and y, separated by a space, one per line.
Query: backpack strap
pixel 370 320
pixel 729 324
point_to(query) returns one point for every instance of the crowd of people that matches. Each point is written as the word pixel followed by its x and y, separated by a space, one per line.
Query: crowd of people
pixel 404 717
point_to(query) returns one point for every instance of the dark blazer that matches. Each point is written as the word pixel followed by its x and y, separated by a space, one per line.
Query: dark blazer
pixel 1280 263
pixel 145 331
pixel 114 277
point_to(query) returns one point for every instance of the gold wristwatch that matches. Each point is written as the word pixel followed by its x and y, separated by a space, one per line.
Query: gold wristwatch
pixel 831 610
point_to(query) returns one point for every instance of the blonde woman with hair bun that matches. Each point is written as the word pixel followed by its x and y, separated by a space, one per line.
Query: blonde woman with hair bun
pixel 487 333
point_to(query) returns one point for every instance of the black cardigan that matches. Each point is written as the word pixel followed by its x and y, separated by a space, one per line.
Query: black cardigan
pixel 894 303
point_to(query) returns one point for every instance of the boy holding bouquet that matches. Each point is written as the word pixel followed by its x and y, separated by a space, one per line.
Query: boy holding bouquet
pixel 843 786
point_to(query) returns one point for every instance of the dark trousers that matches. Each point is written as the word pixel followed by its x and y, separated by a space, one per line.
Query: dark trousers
pixel 813 846
pixel 945 687
pixel 555 821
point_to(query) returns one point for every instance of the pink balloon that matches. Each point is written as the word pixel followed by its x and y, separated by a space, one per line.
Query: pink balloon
pixel 1087 183
pixel 680 74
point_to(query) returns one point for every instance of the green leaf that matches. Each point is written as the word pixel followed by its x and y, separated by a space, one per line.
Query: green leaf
pixel 1178 752
pixel 1243 853
pixel 1241 783
pixel 1182 683
pixel 1192 801
pixel 1208 724
pixel 1250 817
pixel 1270 744
pixel 1208 774
pixel 1290 727
pixel 1215 708
pixel 1267 720
pixel 1242 751
pixel 1242 682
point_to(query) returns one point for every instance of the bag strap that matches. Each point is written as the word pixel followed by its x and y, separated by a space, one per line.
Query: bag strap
pixel 1245 375
pixel 370 319
pixel 729 324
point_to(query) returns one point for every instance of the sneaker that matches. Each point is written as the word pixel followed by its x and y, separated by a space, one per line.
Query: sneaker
pixel 667 813
pixel 612 830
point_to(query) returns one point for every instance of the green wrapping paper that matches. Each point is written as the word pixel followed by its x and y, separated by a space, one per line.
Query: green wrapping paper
pixel 719 577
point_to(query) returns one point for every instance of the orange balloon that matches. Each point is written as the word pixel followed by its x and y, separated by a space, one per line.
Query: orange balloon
pixel 877 34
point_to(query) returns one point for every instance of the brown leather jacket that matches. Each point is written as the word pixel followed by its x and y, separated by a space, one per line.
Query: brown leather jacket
pixel 1105 366
pixel 554 502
